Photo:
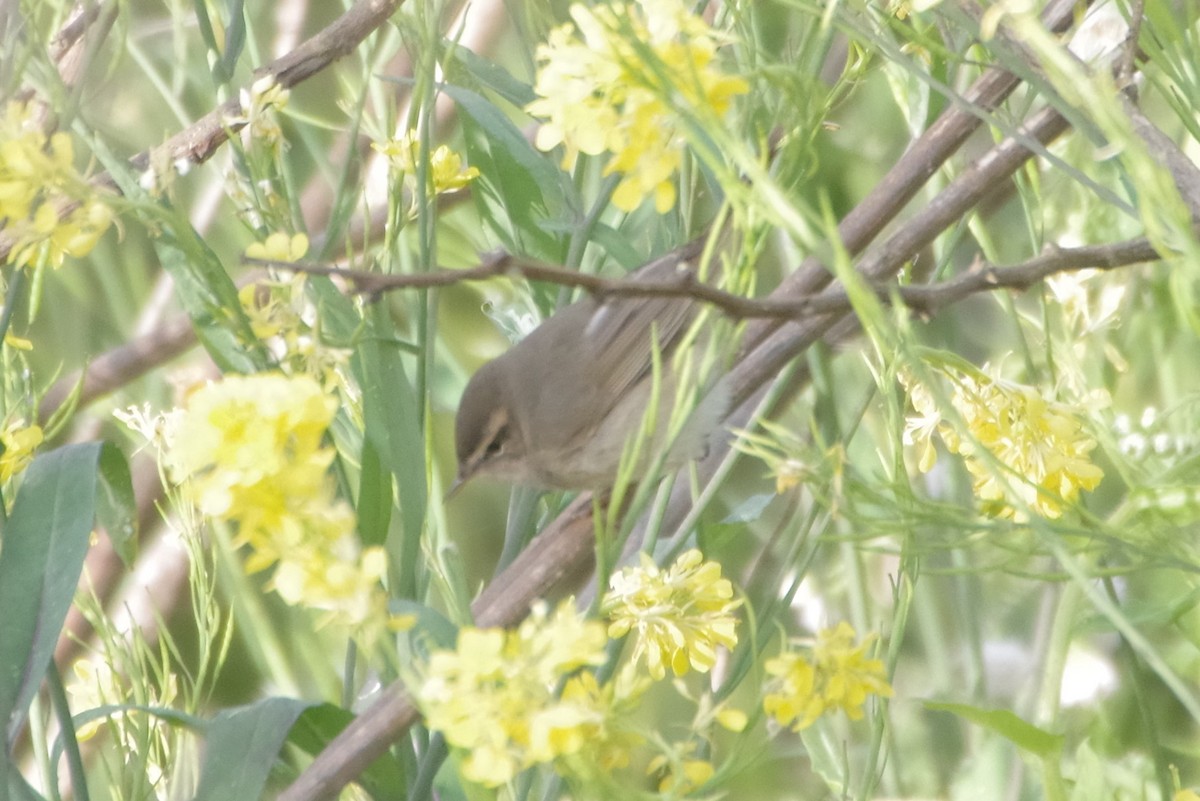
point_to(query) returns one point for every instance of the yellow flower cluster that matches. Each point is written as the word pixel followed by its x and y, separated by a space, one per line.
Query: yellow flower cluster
pixel 284 319
pixel 839 676
pixel 19 441
pixel 446 171
pixel 279 246
pixel 679 616
pixel 248 449
pixel 45 204
pixel 611 83
pixel 1040 444
pixel 495 694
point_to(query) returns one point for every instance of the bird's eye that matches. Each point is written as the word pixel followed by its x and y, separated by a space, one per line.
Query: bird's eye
pixel 495 447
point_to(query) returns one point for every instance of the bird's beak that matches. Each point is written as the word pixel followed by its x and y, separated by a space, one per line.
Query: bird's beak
pixel 457 484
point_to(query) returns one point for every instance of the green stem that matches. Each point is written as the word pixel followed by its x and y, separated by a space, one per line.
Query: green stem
pixel 62 710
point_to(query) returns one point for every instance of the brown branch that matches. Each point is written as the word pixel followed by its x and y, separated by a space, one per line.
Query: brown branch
pixel 1164 150
pixel 1129 52
pixel 982 277
pixel 199 141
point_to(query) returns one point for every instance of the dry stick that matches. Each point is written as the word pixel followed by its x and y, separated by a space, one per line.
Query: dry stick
pixel 506 600
pixel 1166 152
pixel 77 25
pixel 199 141
pixel 924 298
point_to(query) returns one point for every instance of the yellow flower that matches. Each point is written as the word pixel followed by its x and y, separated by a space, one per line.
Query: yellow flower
pixel 19 441
pixel 1040 444
pixel 279 246
pixel 48 208
pixel 250 450
pixel 601 92
pixel 839 676
pixel 94 685
pixel 692 773
pixel 920 428
pixel 250 446
pixel 679 616
pixel 494 695
pixel 286 322
pixel 680 770
pixel 446 172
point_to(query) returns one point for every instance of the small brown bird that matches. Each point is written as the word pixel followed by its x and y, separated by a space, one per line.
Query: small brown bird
pixel 557 409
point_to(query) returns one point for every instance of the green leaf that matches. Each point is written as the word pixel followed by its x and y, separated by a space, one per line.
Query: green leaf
pixel 827 757
pixel 374 497
pixel 208 296
pixel 392 422
pixel 45 542
pixel 235 42
pixel 1012 728
pixel 116 507
pixel 241 747
pixel 750 510
pixel 487 73
pixel 383 779
pixel 518 189
pixel 617 246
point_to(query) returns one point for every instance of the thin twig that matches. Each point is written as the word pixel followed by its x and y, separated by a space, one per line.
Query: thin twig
pixel 982 277
pixel 1129 52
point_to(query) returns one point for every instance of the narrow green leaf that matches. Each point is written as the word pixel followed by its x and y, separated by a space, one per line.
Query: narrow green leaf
pixel 241 747
pixel 374 497
pixel 45 542
pixel 1012 728
pixel 209 297
pixel 235 42
pixel 518 189
pixel 488 74
pixel 392 422
pixel 116 508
